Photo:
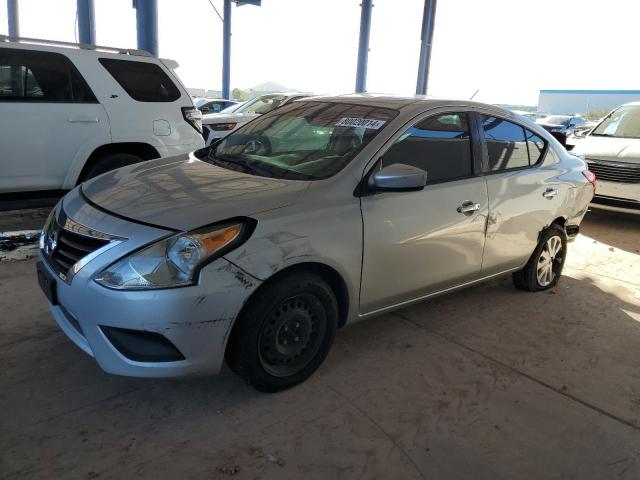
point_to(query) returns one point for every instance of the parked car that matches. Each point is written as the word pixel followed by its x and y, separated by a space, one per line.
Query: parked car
pixel 612 150
pixel 322 212
pixel 561 126
pixel 71 112
pixel 213 105
pixel 216 126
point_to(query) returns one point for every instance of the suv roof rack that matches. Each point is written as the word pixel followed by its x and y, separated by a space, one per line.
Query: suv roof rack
pixel 83 46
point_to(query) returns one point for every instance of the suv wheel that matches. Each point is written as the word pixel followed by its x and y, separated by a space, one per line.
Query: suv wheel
pixel 110 162
pixel 284 333
pixel 544 268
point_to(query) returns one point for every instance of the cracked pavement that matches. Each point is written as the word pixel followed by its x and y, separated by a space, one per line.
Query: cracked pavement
pixel 484 383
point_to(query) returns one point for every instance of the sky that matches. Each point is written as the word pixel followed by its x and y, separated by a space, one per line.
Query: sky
pixel 506 49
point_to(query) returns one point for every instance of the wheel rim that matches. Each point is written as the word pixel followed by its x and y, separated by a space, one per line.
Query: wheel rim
pixel 291 335
pixel 549 261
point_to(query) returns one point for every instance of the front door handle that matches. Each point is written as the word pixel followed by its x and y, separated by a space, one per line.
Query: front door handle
pixel 83 119
pixel 467 208
pixel 550 193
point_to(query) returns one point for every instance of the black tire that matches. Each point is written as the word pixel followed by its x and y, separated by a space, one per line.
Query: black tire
pixel 284 332
pixel 532 277
pixel 110 162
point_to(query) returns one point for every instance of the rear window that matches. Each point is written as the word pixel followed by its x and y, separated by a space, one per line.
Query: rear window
pixel 144 82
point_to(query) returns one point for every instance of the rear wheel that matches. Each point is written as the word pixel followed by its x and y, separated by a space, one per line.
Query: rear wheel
pixel 110 162
pixel 284 333
pixel 544 268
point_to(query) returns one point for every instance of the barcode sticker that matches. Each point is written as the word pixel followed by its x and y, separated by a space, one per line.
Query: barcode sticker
pixel 360 122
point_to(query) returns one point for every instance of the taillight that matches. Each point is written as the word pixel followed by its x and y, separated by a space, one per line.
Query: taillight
pixel 193 116
pixel 591 178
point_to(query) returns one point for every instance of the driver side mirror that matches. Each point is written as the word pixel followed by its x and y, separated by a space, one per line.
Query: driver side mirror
pixel 398 177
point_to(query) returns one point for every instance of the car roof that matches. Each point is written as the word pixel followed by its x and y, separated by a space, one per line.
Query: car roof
pixel 398 102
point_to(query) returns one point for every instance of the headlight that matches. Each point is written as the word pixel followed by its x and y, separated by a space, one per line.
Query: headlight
pixel 173 261
pixel 218 127
pixel 45 227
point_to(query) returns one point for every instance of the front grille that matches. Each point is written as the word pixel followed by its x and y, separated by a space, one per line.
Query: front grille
pixel 64 247
pixel 615 172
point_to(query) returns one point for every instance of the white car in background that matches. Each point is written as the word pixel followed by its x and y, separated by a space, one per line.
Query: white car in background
pixel 71 112
pixel 217 125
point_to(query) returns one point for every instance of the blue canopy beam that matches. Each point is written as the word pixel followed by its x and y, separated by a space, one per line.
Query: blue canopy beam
pixel 428 24
pixel 363 46
pixel 226 49
pixel 86 22
pixel 147 25
pixel 13 18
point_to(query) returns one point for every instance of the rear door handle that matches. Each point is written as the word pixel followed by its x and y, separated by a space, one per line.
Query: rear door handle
pixel 467 208
pixel 83 119
pixel 550 193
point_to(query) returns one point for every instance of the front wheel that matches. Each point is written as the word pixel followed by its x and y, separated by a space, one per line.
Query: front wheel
pixel 284 333
pixel 544 268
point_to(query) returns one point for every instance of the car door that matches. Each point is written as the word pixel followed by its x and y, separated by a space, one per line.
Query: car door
pixel 524 191
pixel 419 242
pixel 47 113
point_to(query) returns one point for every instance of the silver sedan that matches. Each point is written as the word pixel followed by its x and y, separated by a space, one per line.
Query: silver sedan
pixel 323 212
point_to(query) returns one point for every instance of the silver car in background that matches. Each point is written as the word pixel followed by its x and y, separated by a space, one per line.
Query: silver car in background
pixel 217 125
pixel 612 150
pixel 320 213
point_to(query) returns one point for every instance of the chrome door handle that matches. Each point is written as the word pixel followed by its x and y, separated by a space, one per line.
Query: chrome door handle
pixel 550 193
pixel 467 208
pixel 83 120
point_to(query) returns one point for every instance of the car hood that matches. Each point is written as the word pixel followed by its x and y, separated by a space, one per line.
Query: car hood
pixel 609 148
pixel 184 193
pixel 227 117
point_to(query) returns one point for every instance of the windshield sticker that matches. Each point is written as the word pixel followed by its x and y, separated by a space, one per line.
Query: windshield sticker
pixel 360 122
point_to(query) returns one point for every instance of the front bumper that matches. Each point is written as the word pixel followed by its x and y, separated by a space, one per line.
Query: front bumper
pixel 617 196
pixel 196 320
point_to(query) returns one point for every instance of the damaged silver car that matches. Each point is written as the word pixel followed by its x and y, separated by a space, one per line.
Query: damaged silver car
pixel 320 213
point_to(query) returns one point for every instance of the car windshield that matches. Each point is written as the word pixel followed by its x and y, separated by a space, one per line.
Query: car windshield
pixel 302 140
pixel 557 119
pixel 263 104
pixel 622 123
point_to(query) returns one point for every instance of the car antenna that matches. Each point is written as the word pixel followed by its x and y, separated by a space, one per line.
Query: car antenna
pixel 474 94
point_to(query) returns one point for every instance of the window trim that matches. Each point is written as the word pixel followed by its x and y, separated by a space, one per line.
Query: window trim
pixel 73 70
pixel 363 188
pixel 485 151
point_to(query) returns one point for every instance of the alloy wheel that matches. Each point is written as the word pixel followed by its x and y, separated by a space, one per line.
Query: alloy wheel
pixel 549 261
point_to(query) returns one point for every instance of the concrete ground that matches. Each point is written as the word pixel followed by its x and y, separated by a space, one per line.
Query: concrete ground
pixel 485 383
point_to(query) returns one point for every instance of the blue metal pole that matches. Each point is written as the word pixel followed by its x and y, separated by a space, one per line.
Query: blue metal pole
pixel 12 16
pixel 86 22
pixel 147 25
pixel 428 24
pixel 363 47
pixel 226 50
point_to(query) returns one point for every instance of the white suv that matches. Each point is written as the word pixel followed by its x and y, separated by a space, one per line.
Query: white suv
pixel 70 112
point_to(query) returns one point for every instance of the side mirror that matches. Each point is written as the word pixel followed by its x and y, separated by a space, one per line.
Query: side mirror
pixel 399 177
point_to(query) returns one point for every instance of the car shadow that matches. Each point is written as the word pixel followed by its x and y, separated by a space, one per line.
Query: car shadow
pixel 578 340
pixel 619 230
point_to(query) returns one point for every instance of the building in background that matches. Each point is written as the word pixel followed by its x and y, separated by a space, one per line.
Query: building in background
pixel 567 102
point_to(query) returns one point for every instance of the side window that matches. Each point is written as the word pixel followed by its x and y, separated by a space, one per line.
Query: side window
pixel 536 147
pixel 31 76
pixel 143 81
pixel 441 145
pixel 506 144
